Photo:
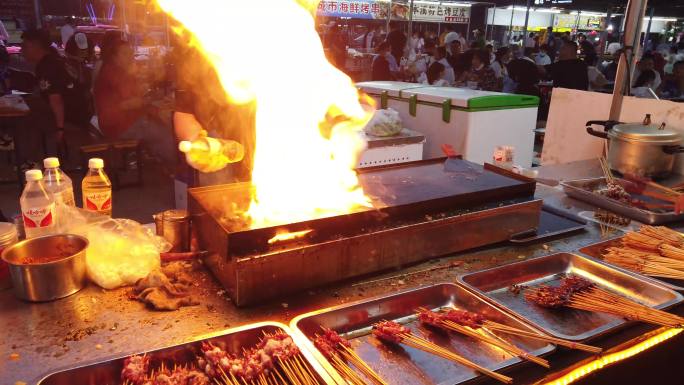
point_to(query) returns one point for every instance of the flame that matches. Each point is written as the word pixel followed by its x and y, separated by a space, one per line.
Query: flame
pixel 308 113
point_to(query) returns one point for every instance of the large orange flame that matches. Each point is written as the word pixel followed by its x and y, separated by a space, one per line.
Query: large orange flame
pixel 268 51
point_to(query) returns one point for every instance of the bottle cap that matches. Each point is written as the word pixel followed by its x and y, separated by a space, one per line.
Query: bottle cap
pixel 185 146
pixel 51 162
pixel 34 175
pixel 95 163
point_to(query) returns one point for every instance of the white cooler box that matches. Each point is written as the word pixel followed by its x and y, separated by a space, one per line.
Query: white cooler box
pixel 472 122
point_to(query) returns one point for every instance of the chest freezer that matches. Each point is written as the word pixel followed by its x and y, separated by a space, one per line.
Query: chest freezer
pixel 473 122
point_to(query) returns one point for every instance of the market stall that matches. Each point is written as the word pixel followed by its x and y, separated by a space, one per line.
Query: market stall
pixel 94 326
pixel 444 270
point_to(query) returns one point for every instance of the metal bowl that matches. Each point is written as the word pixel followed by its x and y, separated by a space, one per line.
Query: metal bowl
pixel 40 282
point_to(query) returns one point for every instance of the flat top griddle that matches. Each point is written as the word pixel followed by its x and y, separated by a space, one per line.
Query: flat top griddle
pixel 400 194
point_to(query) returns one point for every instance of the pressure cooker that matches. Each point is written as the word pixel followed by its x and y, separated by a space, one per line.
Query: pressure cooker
pixel 639 149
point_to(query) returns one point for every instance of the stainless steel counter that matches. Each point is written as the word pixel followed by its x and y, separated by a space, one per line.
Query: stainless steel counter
pixel 95 324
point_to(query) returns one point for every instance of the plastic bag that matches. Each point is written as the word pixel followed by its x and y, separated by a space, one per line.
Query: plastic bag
pixel 384 123
pixel 121 251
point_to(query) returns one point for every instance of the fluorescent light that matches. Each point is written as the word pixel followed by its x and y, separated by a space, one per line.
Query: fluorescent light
pixel 540 10
pixel 662 19
pixel 586 13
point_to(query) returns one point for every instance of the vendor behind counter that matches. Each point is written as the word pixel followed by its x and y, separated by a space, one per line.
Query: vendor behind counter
pixel 202 104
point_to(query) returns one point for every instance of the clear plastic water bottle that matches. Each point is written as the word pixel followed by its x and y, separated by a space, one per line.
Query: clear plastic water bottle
pixel 210 154
pixel 37 206
pixel 97 189
pixel 58 183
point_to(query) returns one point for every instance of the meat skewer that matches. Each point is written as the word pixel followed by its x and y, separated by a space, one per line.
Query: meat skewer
pixel 476 321
pixel 578 293
pixel 462 323
pixel 338 352
pixel 392 332
pixel 275 360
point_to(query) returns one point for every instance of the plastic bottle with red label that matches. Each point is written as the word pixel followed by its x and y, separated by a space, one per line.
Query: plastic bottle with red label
pixel 37 206
pixel 97 189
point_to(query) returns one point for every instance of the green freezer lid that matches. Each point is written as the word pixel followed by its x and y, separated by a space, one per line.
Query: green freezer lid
pixel 467 99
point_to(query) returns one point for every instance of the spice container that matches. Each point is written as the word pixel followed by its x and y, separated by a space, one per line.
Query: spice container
pixel 174 226
pixel 8 237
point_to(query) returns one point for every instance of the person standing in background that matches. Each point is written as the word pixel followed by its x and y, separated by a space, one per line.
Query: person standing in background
pixel 369 40
pixel 416 43
pixel 587 48
pixel 524 75
pixel 397 41
pixel 530 41
pixel 384 66
pixel 569 71
pixel 552 44
pixel 501 59
pixel 63 105
pixel 479 42
pixel 67 30
pixel 480 75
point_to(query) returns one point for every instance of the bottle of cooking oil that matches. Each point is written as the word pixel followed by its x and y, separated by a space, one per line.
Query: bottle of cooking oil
pixel 210 154
pixel 37 206
pixel 97 189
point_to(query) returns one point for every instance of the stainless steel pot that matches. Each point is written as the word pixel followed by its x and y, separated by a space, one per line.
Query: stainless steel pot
pixel 638 149
pixel 47 281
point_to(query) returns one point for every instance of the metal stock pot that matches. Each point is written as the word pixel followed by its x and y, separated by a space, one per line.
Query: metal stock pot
pixel 638 149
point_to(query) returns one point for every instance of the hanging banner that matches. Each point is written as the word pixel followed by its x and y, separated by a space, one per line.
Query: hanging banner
pixel 585 22
pixel 360 9
pixel 441 13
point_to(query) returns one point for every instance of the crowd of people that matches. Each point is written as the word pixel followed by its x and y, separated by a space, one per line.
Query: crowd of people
pixel 77 96
pixel 548 58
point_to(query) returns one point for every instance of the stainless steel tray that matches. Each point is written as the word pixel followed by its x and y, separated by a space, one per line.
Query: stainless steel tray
pixel 576 325
pixel 583 189
pixel 407 366
pixel 596 250
pixel 108 372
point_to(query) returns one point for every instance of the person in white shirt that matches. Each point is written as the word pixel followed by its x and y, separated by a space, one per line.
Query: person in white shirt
pixel 501 58
pixel 416 43
pixel 435 75
pixel 440 57
pixel 647 63
pixel 541 57
pixel 67 31
pixel 644 85
pixel 530 41
pixel 613 47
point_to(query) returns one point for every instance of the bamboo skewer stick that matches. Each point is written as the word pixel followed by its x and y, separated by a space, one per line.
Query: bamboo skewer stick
pixel 401 335
pixel 338 352
pixel 528 334
pixel 607 173
pixel 578 293
pixel 500 343
pixel 429 347
pixel 488 339
pixel 360 364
